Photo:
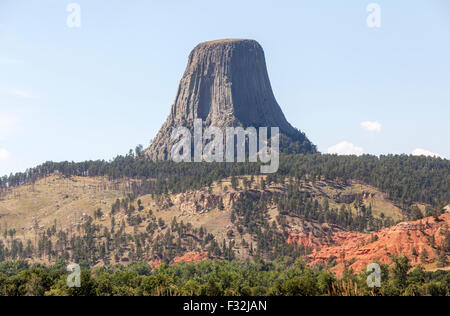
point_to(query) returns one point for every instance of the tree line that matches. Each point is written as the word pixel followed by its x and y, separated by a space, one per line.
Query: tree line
pixel 282 277
pixel 406 179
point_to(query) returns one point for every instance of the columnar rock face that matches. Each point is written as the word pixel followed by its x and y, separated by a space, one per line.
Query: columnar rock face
pixel 226 84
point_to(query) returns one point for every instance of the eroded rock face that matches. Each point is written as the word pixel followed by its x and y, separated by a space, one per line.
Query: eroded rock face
pixel 314 235
pixel 192 257
pixel 226 84
pixel 358 250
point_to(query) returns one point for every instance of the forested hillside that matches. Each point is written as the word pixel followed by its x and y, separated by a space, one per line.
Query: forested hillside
pixel 131 210
pixel 406 179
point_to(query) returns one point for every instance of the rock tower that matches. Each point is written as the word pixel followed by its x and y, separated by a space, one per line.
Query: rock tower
pixel 226 84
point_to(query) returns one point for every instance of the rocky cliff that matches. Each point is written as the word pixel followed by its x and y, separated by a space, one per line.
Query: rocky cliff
pixel 358 250
pixel 226 84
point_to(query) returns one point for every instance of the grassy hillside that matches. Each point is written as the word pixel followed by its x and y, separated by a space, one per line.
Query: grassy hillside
pixel 56 198
pixel 65 216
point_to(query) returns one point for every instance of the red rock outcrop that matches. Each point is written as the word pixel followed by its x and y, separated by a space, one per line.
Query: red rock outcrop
pixel 191 257
pixel 313 235
pixel 358 250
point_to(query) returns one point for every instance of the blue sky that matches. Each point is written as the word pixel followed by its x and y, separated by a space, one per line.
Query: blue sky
pixel 96 91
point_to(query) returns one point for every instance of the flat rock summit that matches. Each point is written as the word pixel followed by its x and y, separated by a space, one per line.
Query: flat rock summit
pixel 226 84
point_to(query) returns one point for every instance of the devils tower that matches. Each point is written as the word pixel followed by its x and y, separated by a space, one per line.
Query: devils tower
pixel 226 84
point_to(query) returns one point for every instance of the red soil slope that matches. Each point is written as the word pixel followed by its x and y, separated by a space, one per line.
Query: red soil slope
pixel 191 257
pixel 358 250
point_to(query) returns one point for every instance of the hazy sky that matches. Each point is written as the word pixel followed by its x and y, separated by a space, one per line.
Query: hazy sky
pixel 98 90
